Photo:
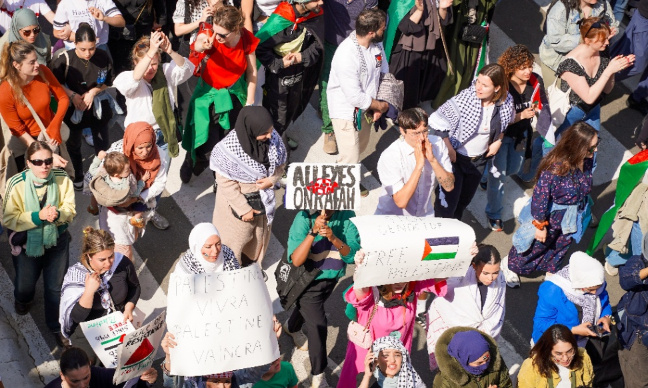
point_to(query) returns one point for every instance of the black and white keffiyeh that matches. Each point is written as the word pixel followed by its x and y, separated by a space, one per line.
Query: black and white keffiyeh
pixel 230 160
pixel 73 287
pixel 191 265
pixel 407 377
pixel 463 114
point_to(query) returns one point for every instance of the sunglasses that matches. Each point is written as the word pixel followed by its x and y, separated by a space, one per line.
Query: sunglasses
pixel 28 33
pixel 39 162
pixel 592 149
pixel 223 36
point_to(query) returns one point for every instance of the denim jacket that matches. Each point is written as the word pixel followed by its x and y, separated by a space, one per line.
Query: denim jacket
pixel 571 223
pixel 633 306
pixel 563 34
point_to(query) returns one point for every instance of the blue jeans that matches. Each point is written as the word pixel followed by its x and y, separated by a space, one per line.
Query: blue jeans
pixel 536 156
pixel 508 162
pixel 618 9
pixel 615 259
pixel 574 115
pixel 53 264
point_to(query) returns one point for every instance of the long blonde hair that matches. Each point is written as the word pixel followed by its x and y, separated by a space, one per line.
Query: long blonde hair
pixel 16 52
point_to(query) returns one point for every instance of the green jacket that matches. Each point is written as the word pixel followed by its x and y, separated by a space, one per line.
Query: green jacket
pixel 452 374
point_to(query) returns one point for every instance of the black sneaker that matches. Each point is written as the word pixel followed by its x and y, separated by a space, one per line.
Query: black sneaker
pixel 78 186
pixel 483 185
pixel 61 340
pixel 363 191
pixel 495 225
pixel 641 106
pixel 185 171
pixel 420 319
pixel 21 308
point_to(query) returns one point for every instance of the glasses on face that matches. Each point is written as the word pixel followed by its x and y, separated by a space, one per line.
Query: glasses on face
pixel 563 356
pixel 418 133
pixel 39 162
pixel 591 150
pixel 223 36
pixel 27 33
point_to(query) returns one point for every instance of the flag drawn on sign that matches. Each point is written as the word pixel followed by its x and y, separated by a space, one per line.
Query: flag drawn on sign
pixel 141 354
pixel 440 248
pixel 111 344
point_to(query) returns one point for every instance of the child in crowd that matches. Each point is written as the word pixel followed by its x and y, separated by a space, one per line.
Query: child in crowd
pixel 280 375
pixel 113 183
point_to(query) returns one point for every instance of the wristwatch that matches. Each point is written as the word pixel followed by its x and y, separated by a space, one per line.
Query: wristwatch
pixel 314 234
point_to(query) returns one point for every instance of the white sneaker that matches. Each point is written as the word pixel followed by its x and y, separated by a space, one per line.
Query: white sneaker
pixel 611 270
pixel 299 338
pixel 319 381
pixel 87 136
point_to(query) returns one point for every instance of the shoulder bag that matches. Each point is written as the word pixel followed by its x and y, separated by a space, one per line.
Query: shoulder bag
pixel 558 103
pixel 292 281
pixel 254 200
pixel 361 335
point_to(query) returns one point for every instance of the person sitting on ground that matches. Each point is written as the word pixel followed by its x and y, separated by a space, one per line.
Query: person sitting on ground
pixel 117 185
pixel 476 300
pixel 469 358
pixel 76 371
pixel 389 362
pixel 556 361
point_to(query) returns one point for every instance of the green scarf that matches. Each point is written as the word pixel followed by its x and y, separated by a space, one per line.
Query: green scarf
pixel 397 11
pixel 163 111
pixel 44 235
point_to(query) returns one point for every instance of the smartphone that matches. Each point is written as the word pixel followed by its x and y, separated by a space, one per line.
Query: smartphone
pixel 600 330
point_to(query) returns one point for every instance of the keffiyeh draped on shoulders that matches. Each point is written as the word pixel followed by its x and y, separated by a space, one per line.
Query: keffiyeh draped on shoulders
pixel 190 265
pixel 407 377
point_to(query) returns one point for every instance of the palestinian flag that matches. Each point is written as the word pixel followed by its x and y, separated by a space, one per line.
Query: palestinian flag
pixel 397 11
pixel 141 354
pixel 283 17
pixel 113 343
pixel 630 175
pixel 535 97
pixel 482 56
pixel 440 248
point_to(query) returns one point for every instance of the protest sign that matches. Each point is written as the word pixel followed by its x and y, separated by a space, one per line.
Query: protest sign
pixel 138 349
pixel 105 335
pixel 405 248
pixel 317 186
pixel 221 321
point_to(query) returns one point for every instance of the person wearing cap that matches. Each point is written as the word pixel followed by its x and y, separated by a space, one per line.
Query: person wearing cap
pixel 292 49
pixel 576 297
pixel 469 358
pixel 633 318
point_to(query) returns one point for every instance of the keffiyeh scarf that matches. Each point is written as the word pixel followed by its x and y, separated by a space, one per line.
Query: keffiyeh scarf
pixel 230 160
pixel 407 377
pixel 192 265
pixel 463 114
pixel 73 287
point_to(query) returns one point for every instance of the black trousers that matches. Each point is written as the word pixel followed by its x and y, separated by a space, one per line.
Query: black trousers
pixel 283 102
pixel 467 177
pixel 309 312
pixel 99 128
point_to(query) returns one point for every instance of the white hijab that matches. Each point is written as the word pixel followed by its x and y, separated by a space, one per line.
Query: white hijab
pixel 197 238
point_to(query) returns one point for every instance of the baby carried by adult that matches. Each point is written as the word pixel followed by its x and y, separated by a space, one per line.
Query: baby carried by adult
pixel 113 183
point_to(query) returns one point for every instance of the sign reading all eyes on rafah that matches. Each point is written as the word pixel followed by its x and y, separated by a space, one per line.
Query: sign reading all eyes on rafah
pixel 405 248
pixel 221 321
pixel 317 186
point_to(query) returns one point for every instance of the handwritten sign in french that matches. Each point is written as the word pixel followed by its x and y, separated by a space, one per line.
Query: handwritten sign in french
pixel 221 322
pixel 138 350
pixel 317 186
pixel 406 248
pixel 105 336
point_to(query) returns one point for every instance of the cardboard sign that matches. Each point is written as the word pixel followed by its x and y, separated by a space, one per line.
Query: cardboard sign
pixel 221 321
pixel 138 350
pixel 317 186
pixel 406 248
pixel 105 335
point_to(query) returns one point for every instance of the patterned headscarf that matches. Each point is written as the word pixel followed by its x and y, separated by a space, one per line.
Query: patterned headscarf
pixel 407 376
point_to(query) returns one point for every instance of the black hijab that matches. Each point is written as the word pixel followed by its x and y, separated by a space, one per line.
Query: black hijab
pixel 254 121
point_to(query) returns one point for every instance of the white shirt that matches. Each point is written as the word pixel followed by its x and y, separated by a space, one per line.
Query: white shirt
pixel 75 12
pixel 396 166
pixel 139 94
pixel 564 374
pixel 477 144
pixel 5 22
pixel 346 90
pixel 39 7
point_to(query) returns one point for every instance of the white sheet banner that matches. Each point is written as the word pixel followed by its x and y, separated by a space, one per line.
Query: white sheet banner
pixel 221 322
pixel 138 350
pixel 105 335
pixel 405 248
pixel 317 186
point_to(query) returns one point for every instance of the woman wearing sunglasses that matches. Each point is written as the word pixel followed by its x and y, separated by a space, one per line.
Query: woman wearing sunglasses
pixel 556 361
pixel 38 206
pixel 102 282
pixel 549 222
pixel 86 72
pixel 563 31
pixel 24 26
pixel 227 83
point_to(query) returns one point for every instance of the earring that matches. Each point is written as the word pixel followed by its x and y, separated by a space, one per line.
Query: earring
pixel 206 255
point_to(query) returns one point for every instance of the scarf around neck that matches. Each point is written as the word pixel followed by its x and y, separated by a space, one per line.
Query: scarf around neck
pixel 254 121
pixel 73 287
pixel 46 234
pixel 138 133
pixel 589 303
pixel 163 111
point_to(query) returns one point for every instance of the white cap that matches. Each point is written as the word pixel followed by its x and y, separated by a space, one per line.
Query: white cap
pixel 585 271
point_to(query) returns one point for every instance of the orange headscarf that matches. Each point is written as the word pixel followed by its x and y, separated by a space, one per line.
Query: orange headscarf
pixel 136 134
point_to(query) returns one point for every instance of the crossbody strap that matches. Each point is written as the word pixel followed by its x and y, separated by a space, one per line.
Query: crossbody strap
pixel 38 119
pixel 443 41
pixel 373 312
